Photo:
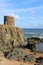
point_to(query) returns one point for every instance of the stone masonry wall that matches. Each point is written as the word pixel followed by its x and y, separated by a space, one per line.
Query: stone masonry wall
pixel 9 20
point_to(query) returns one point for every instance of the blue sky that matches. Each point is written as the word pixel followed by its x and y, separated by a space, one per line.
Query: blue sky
pixel 27 13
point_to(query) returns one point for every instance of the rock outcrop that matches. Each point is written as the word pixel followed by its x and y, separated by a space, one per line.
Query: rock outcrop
pixel 10 37
pixel 20 55
pixel 12 44
pixel 32 43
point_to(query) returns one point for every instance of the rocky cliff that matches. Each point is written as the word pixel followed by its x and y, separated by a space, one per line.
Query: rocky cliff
pixel 12 44
pixel 10 37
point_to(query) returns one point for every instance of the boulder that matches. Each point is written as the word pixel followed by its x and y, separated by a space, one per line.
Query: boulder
pixel 39 60
pixel 32 43
pixel 20 55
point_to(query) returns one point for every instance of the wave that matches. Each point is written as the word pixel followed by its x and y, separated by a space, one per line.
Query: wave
pixel 31 33
pixel 41 34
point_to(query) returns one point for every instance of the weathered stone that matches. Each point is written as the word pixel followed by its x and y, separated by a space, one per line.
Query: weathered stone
pixel 37 64
pixel 9 20
pixel 20 55
pixel 1 54
pixel 11 37
pixel 39 60
pixel 20 36
pixel 29 58
pixel 32 43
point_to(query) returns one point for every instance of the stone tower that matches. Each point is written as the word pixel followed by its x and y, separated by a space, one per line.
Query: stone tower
pixel 9 20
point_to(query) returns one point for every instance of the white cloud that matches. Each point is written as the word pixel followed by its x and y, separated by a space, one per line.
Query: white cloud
pixel 4 0
pixel 30 1
pixel 41 18
pixel 5 4
pixel 37 7
pixel 34 9
pixel 30 10
pixel 17 17
pixel 31 18
pixel 18 10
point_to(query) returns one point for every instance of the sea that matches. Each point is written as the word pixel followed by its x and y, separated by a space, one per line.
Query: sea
pixel 34 32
